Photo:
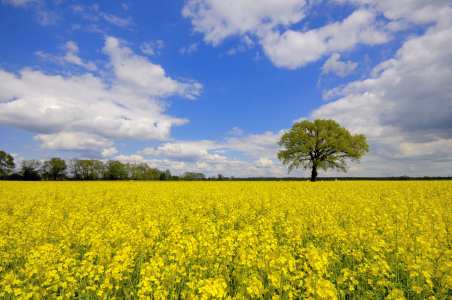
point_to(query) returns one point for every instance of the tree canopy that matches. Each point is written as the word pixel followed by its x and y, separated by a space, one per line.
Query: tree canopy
pixel 6 164
pixel 54 168
pixel 29 169
pixel 322 144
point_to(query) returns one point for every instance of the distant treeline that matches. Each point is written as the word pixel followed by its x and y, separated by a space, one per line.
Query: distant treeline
pixel 94 169
pixel 89 169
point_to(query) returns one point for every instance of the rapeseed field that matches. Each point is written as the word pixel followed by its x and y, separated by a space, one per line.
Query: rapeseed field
pixel 226 240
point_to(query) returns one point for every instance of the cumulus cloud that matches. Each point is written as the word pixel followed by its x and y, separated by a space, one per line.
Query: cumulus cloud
pixel 337 67
pixel 17 160
pixel 225 166
pixel 88 144
pixel 71 56
pixel 405 109
pixel 294 49
pixel 218 19
pixel 186 151
pixel 270 22
pixel 205 155
pixel 255 145
pixel 85 112
pixel 263 163
pixel 135 73
pixel 413 11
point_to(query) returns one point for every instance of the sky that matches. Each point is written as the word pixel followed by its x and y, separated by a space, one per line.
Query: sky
pixel 211 85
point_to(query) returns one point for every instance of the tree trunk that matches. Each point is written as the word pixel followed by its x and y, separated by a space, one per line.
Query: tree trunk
pixel 314 173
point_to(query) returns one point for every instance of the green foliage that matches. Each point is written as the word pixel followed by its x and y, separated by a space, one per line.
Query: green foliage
pixel 29 169
pixel 6 164
pixel 53 168
pixel 320 144
pixel 116 170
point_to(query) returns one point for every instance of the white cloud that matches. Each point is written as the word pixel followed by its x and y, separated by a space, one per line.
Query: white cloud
pixel 236 131
pixel 190 49
pixel 200 156
pixel 255 145
pixel 209 166
pixel 339 68
pixel 413 11
pixel 232 51
pixel 270 22
pixel 86 12
pixel 44 17
pixel 299 120
pixel 19 3
pixel 148 47
pixel 263 146
pixel 71 56
pixel 120 22
pixel 17 160
pixel 248 42
pixel 405 109
pixel 85 112
pixel 153 163
pixel 189 151
pixel 294 49
pixel 135 73
pixel 264 163
pixel 75 141
pixel 256 57
pixel 218 19
pixel 109 152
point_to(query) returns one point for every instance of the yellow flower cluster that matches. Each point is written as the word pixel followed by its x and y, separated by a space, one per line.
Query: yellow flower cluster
pixel 226 240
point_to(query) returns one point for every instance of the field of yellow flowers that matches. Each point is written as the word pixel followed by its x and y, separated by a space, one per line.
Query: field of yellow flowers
pixel 226 240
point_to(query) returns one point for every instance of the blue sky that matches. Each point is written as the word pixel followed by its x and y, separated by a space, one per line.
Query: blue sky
pixel 211 85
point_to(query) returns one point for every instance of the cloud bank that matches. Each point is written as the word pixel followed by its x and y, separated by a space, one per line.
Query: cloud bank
pixel 88 113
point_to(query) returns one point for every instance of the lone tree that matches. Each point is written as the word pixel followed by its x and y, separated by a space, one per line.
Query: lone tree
pixel 320 144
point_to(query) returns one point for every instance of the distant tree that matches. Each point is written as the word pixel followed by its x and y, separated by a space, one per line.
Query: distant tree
pixel 142 170
pixel 162 176
pixel 116 170
pixel 6 164
pixel 57 167
pixel 74 166
pixel 320 144
pixel 98 169
pixel 189 176
pixel 200 176
pixel 87 169
pixel 29 169
pixel 153 174
pixel 220 177
pixel 45 171
pixel 168 174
